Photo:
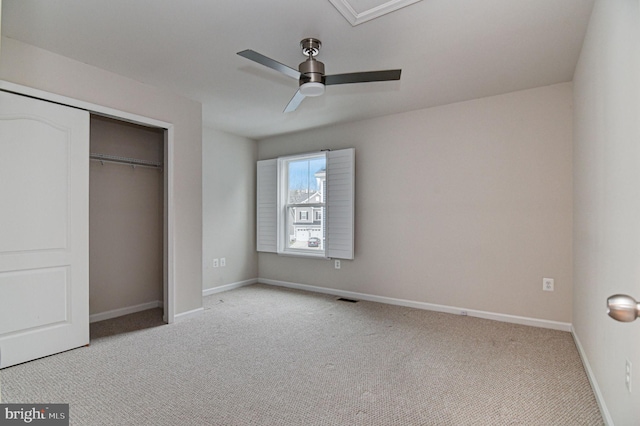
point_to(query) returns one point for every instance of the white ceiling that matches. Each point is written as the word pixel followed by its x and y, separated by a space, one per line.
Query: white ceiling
pixel 449 51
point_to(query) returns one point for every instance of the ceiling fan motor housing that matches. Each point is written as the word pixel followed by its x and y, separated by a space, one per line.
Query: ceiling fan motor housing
pixel 311 71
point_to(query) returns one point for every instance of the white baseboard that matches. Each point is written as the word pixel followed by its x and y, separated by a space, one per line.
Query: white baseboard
pixel 189 314
pixel 210 291
pixel 554 325
pixel 186 315
pixel 125 311
pixel 592 379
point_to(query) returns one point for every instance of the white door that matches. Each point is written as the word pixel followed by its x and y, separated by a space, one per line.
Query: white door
pixel 44 233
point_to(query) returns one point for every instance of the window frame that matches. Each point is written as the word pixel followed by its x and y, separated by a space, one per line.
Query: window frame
pixel 338 217
pixel 284 206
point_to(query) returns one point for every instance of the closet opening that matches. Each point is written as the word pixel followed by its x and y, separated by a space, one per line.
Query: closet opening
pixel 127 226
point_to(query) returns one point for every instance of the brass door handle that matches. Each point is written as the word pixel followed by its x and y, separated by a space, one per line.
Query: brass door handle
pixel 623 308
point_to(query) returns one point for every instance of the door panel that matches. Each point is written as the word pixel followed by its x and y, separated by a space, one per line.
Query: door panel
pixel 35 186
pixel 46 288
pixel 44 177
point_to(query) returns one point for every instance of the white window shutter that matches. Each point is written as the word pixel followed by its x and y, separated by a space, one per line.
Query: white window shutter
pixel 340 203
pixel 267 206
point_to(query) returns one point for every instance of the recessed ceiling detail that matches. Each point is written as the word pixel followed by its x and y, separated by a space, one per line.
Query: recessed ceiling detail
pixel 369 9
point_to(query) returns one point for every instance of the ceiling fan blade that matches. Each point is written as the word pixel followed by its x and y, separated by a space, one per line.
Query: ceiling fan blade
pixel 294 102
pixel 362 77
pixel 268 62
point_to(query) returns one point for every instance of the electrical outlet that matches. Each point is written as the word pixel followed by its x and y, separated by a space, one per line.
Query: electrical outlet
pixel 337 264
pixel 627 377
pixel 223 261
pixel 547 284
pixel 215 263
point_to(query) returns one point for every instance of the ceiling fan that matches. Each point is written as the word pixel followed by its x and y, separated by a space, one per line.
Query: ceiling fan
pixel 310 73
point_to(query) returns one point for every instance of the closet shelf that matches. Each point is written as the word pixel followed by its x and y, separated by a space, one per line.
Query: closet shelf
pixel 124 160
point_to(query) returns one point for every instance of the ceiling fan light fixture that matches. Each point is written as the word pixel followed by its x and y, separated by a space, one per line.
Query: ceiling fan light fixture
pixel 312 88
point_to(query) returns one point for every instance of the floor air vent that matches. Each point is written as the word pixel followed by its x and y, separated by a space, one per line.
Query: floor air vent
pixel 343 299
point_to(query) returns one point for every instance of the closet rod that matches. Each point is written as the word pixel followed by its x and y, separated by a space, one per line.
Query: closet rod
pixel 125 160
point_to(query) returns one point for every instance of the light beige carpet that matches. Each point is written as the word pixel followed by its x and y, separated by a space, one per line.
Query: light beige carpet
pixel 262 355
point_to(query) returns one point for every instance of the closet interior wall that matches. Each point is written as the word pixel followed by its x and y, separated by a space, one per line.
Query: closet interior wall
pixel 126 206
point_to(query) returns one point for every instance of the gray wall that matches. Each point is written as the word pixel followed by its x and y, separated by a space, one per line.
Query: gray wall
pixel 466 205
pixel 606 199
pixel 27 65
pixel 126 219
pixel 228 204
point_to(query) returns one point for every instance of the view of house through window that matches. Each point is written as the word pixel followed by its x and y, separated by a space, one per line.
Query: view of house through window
pixel 305 186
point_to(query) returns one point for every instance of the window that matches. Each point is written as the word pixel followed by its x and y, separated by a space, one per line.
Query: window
pixel 301 180
pixel 305 204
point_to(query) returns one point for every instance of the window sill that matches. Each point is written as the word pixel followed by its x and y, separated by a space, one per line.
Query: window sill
pixel 303 254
